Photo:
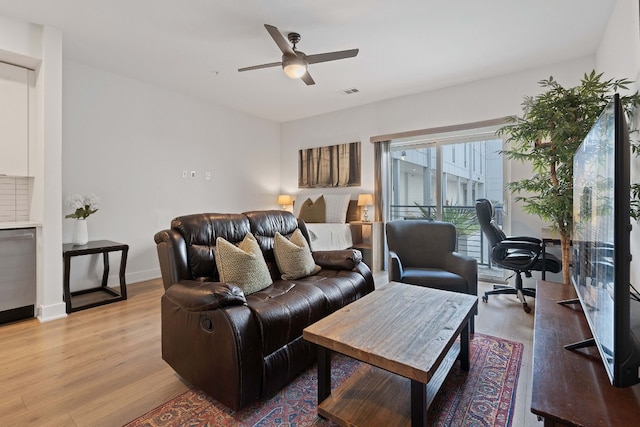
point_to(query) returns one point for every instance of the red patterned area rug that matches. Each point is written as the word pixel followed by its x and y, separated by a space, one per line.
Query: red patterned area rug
pixel 484 396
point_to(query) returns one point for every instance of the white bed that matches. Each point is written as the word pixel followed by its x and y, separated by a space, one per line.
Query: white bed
pixel 329 236
pixel 335 234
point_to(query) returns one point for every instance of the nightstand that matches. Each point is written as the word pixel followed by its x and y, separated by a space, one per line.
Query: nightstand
pixel 367 238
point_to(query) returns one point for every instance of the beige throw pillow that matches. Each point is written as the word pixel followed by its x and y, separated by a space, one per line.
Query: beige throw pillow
pixel 243 265
pixel 312 212
pixel 293 256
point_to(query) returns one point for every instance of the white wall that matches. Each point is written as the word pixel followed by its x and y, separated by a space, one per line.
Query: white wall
pixel 619 57
pixel 473 102
pixel 47 182
pixel 478 101
pixel 128 142
pixel 20 42
pixel 40 48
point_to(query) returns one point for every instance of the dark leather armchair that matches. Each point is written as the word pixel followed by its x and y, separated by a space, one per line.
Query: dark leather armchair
pixel 422 252
pixel 521 254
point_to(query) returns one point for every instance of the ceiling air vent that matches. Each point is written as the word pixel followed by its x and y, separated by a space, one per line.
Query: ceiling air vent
pixel 349 91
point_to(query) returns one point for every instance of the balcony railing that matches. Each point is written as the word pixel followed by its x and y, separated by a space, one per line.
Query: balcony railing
pixel 470 239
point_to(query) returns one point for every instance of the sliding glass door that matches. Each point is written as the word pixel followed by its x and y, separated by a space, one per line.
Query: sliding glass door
pixel 439 177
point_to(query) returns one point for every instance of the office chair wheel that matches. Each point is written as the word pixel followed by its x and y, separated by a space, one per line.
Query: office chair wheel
pixel 485 298
pixel 526 308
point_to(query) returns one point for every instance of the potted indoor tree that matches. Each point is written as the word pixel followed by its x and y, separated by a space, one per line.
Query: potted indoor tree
pixel 552 127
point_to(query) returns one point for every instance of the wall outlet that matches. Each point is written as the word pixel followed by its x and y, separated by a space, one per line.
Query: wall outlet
pixel 207 175
pixel 184 173
pixel 193 174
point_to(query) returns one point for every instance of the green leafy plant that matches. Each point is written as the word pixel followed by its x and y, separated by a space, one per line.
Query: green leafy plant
pixel 463 218
pixel 552 127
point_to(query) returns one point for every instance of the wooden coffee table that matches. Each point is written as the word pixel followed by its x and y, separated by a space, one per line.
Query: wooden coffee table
pixel 406 335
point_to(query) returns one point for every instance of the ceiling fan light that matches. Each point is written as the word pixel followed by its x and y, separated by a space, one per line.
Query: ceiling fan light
pixel 295 68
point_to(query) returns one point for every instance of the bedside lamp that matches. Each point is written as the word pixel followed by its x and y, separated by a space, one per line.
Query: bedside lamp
pixel 284 200
pixel 365 200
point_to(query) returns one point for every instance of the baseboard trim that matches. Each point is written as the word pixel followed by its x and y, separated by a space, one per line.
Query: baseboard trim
pixel 141 276
pixel 47 313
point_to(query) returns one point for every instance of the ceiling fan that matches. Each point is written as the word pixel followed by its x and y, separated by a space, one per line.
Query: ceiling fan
pixel 294 62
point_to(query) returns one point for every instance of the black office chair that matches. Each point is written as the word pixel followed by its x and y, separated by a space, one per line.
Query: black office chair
pixel 520 254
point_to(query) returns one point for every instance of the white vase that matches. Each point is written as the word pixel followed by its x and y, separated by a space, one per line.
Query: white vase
pixel 80 233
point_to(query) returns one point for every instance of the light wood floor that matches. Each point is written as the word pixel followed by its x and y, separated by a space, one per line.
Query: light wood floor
pixel 102 366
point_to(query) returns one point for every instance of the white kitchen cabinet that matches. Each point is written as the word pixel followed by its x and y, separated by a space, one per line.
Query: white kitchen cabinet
pixel 14 120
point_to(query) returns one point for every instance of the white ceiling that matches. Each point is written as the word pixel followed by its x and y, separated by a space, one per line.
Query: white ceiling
pixel 406 46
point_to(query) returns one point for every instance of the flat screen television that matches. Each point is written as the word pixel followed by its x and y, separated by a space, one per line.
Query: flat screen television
pixel 601 253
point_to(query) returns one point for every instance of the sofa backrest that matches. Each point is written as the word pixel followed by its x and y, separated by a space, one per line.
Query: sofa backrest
pixel 264 225
pixel 200 232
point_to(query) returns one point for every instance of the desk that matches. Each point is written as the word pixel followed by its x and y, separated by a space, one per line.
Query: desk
pixel 571 388
pixel 103 247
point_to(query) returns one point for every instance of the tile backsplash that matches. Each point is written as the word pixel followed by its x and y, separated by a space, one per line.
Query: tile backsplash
pixel 15 198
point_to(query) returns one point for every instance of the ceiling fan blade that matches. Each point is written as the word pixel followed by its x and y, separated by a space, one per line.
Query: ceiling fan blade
pixel 257 67
pixel 277 37
pixel 331 56
pixel 306 77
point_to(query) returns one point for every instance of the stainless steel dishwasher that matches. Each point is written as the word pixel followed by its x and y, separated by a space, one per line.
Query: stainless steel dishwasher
pixel 17 274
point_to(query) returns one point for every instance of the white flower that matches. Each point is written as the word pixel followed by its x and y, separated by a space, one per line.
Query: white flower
pixel 75 201
pixel 93 201
pixel 83 206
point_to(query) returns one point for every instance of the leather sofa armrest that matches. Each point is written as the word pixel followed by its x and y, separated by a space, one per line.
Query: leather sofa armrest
pixel 395 267
pixel 203 296
pixel 345 259
pixel 172 254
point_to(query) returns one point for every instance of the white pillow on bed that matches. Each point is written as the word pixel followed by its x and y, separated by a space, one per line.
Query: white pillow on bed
pixel 337 205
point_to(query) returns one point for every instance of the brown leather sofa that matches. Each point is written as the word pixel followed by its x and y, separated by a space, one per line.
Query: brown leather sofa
pixel 241 348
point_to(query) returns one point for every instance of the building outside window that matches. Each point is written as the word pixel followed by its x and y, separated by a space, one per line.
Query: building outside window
pixel 427 183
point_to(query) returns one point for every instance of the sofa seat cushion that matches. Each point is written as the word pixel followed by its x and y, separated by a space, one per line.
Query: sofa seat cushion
pixel 283 310
pixel 340 287
pixel 434 278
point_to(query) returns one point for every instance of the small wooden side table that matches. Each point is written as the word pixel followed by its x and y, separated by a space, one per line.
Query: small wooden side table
pixel 368 238
pixel 103 247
